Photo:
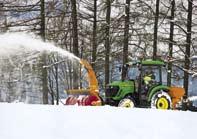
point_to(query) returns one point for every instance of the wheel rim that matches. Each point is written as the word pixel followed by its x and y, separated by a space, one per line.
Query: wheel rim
pixel 161 100
pixel 127 103
pixel 162 103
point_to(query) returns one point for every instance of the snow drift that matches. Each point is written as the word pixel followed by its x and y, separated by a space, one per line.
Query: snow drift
pixel 20 121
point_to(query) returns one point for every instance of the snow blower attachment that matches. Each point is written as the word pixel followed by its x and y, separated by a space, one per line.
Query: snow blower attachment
pixel 85 97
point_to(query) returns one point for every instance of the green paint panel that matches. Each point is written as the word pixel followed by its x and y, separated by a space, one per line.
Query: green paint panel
pixel 126 87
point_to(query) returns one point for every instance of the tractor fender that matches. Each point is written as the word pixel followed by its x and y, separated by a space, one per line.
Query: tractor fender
pixel 156 89
pixel 130 95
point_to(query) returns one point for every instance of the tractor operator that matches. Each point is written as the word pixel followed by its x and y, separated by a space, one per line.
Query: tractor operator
pixel 148 79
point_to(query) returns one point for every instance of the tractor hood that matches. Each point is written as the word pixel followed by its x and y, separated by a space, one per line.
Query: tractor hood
pixel 124 88
pixel 125 83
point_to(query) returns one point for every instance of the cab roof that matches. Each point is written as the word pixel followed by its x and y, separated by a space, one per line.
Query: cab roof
pixel 148 62
pixel 152 62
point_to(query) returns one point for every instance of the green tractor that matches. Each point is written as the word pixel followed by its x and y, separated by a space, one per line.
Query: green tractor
pixel 143 87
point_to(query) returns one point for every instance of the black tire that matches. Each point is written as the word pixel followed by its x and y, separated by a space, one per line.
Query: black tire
pixel 161 100
pixel 127 102
pixel 102 101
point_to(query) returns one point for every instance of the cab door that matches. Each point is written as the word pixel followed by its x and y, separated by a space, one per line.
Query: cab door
pixel 149 78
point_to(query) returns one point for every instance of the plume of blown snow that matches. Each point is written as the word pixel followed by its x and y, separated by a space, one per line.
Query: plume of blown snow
pixel 12 43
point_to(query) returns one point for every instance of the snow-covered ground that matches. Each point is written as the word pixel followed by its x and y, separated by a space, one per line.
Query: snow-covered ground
pixel 22 121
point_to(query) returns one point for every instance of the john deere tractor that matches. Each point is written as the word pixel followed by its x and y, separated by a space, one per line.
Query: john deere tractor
pixel 143 87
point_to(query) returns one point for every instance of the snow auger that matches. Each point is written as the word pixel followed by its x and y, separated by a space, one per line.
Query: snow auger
pixel 85 97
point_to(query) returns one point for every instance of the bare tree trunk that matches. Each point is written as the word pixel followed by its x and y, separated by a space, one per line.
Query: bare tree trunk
pixel 44 75
pixel 171 41
pixel 44 70
pixel 94 39
pixel 126 38
pixel 188 45
pixel 57 84
pixel 75 40
pixel 107 41
pixel 42 14
pixel 155 30
pixel 4 16
pixel 51 91
pixel 50 80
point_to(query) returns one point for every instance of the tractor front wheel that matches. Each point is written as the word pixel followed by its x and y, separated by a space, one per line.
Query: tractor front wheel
pixel 127 102
pixel 161 100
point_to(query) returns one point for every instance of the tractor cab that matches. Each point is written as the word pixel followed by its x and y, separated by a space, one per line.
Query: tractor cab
pixel 146 75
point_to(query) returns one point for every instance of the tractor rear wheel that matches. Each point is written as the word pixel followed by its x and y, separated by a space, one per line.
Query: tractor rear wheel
pixel 161 100
pixel 127 102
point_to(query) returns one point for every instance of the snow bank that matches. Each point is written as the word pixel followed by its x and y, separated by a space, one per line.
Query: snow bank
pixel 20 121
